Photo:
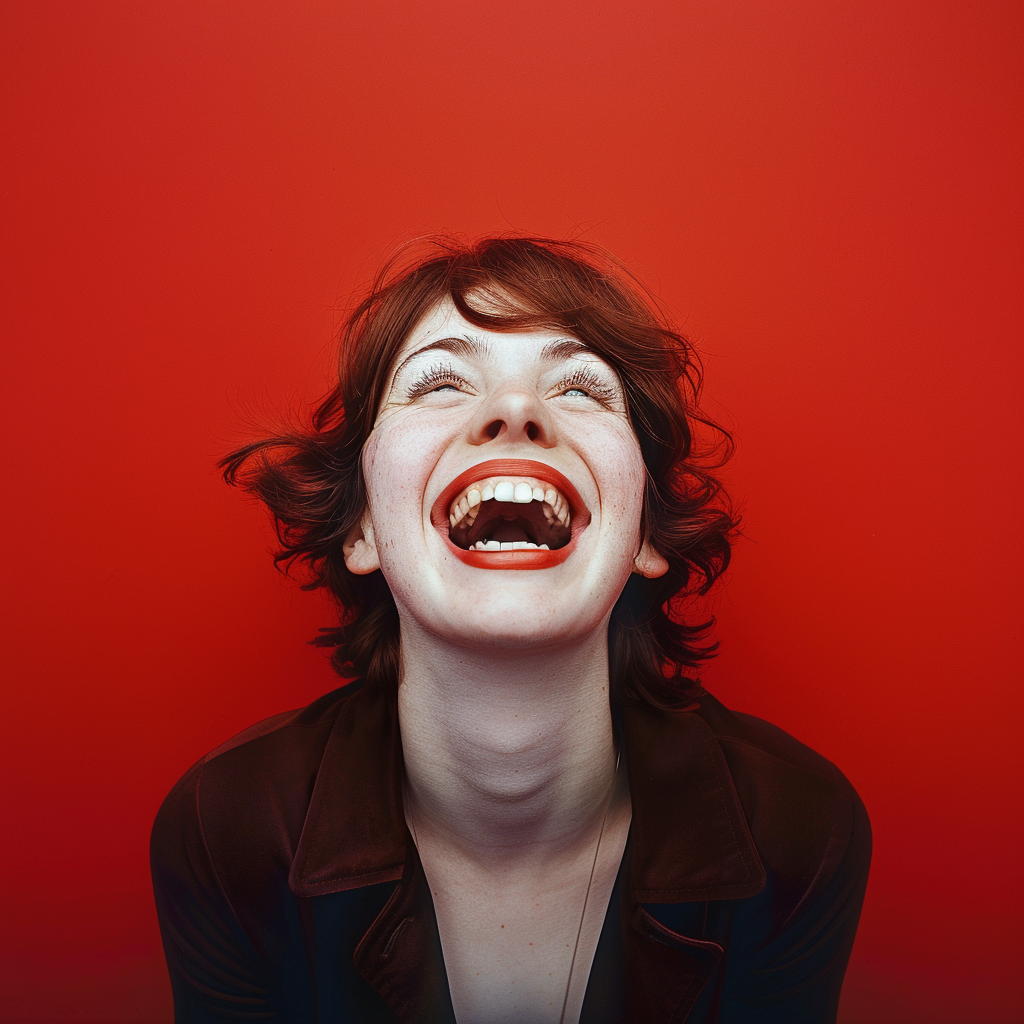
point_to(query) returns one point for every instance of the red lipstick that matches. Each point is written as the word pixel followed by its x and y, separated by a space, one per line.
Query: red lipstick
pixel 511 559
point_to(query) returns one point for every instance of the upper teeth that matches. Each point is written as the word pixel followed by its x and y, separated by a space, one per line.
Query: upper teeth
pixel 520 490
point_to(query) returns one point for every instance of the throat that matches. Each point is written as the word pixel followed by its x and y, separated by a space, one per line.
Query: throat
pixel 510 532
pixel 507 753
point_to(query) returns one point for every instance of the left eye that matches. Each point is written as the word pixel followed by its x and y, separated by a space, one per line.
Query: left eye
pixel 584 383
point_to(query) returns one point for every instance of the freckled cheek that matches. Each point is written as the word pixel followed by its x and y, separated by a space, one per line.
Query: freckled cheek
pixel 619 470
pixel 396 467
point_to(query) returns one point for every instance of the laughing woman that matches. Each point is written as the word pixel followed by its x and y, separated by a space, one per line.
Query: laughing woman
pixel 525 809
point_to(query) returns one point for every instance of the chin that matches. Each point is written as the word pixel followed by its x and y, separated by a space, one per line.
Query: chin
pixel 518 627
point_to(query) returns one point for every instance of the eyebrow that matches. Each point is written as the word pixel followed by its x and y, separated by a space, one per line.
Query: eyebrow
pixel 563 348
pixel 457 346
pixel 560 348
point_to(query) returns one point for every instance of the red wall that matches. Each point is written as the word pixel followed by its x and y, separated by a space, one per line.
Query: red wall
pixel 827 196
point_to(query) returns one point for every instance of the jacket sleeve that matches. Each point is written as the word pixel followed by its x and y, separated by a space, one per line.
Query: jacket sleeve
pixel 794 974
pixel 213 966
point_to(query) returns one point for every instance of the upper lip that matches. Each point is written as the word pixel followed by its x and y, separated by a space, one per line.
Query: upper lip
pixel 512 468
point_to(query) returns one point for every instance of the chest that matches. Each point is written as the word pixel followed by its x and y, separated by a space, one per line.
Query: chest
pixel 519 947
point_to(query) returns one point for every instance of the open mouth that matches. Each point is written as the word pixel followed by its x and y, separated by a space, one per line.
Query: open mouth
pixel 510 513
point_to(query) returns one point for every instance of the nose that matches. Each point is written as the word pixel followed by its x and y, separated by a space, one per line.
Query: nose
pixel 513 414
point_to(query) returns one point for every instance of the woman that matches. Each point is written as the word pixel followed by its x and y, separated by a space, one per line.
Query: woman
pixel 526 809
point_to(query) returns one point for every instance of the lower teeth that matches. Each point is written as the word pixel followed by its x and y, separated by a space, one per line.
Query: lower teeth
pixel 515 545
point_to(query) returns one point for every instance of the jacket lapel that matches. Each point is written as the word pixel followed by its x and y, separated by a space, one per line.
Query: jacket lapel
pixel 354 833
pixel 689 844
pixel 400 955
pixel 690 836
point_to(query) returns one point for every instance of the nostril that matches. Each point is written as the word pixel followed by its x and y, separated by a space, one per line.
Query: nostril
pixel 514 416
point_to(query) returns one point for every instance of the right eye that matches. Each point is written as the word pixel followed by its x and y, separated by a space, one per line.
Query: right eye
pixel 437 379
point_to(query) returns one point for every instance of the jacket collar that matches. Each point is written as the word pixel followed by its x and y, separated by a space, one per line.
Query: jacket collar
pixel 689 834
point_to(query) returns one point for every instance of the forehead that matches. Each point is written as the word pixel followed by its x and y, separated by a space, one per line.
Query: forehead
pixel 443 324
pixel 444 320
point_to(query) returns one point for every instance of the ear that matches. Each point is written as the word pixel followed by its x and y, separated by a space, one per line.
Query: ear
pixel 649 561
pixel 359 549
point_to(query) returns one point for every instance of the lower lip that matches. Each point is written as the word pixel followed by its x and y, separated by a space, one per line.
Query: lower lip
pixel 524 558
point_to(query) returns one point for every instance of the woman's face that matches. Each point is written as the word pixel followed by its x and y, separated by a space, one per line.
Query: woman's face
pixel 504 486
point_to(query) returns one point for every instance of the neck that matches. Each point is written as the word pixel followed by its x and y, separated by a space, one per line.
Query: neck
pixel 508 755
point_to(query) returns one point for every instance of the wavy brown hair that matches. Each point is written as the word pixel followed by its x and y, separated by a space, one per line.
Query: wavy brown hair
pixel 312 480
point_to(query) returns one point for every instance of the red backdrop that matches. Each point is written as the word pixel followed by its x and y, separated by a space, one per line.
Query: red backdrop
pixel 826 196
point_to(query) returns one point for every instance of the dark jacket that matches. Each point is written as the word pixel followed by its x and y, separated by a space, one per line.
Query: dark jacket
pixel 288 888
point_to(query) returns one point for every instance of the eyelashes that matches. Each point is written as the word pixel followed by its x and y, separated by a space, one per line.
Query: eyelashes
pixel 583 379
pixel 436 377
